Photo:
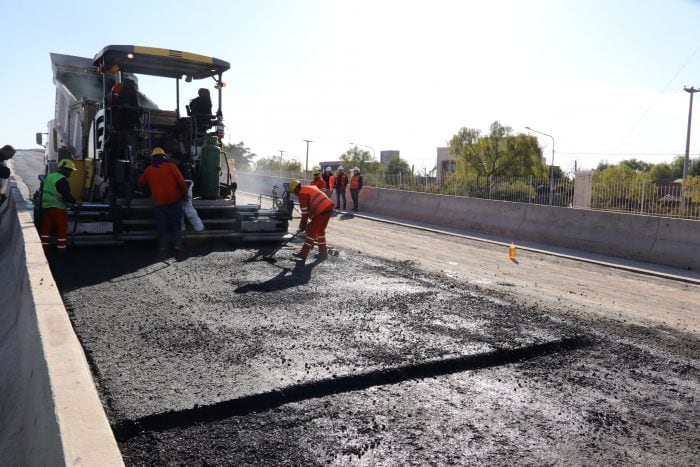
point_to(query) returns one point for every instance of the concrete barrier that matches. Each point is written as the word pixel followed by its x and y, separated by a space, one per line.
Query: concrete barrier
pixel 50 412
pixel 666 241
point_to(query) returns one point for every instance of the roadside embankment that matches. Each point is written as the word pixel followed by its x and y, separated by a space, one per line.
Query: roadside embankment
pixel 49 407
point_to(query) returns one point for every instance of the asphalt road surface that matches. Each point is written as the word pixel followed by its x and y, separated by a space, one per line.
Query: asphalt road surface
pixel 408 347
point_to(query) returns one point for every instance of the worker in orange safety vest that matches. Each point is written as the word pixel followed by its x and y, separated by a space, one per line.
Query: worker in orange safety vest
pixel 318 181
pixel 318 207
pixel 355 187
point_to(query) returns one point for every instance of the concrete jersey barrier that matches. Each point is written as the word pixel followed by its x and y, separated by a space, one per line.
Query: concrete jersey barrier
pixel 50 412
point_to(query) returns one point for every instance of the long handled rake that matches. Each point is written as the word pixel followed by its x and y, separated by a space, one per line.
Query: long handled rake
pixel 270 258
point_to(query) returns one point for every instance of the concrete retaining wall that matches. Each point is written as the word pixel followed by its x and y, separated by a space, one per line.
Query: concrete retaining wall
pixel 666 241
pixel 50 413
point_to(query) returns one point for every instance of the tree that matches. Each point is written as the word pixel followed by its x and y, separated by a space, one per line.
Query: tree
pixel 278 163
pixel 398 166
pixel 637 165
pixel 240 154
pixel 362 159
pixel 694 169
pixel 661 171
pixel 500 153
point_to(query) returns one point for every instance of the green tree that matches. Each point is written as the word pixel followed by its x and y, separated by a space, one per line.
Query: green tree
pixel 398 166
pixel 694 169
pixel 500 153
pixel 637 165
pixel 362 159
pixel 661 171
pixel 240 154
pixel 278 163
pixel 620 187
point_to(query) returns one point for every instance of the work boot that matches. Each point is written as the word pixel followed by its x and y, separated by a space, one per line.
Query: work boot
pixel 299 257
pixel 321 256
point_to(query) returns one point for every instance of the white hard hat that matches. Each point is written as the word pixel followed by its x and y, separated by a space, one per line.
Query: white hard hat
pixel 328 169
pixel 355 169
pixel 340 167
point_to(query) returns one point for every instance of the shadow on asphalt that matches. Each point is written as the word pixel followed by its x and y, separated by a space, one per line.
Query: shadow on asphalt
pixel 127 429
pixel 287 278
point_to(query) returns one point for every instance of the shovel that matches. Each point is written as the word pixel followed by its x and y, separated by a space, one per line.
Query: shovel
pixel 269 258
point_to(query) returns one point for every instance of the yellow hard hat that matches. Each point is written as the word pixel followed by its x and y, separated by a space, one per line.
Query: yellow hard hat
pixel 157 151
pixel 293 185
pixel 66 164
pixel 316 171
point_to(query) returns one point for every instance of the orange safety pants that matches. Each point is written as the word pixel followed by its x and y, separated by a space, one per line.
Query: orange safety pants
pixel 54 217
pixel 317 233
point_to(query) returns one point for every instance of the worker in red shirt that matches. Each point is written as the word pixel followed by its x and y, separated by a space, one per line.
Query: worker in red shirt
pixel 318 181
pixel 318 207
pixel 168 190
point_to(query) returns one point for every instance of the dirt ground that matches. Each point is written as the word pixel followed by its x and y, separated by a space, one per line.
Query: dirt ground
pixel 406 348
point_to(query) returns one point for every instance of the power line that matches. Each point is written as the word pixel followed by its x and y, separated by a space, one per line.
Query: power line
pixel 658 96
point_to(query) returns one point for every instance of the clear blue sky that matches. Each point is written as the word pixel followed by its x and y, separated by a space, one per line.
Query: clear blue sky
pixel 605 78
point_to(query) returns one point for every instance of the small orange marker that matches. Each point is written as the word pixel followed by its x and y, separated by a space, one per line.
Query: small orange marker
pixel 511 251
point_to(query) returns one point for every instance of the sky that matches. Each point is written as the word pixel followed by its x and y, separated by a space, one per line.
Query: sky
pixel 604 78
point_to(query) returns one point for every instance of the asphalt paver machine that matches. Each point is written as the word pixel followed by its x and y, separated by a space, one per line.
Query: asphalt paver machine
pixel 107 125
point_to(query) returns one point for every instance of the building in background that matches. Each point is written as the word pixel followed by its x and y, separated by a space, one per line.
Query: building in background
pixel 446 164
pixel 386 156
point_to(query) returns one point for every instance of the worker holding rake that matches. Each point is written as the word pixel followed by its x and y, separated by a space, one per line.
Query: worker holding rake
pixel 317 207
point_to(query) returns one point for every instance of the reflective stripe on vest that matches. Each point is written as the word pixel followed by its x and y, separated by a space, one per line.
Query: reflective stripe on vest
pixel 51 198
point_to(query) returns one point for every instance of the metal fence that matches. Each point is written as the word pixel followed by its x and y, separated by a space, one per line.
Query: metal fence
pixel 632 196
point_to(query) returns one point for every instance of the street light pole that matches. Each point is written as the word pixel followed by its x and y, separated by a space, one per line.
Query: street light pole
pixel 551 168
pixel 686 161
pixel 307 141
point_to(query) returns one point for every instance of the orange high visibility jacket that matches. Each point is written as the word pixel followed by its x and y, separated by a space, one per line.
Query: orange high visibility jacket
pixel 319 183
pixel 165 182
pixel 356 182
pixel 341 181
pixel 331 182
pixel 313 202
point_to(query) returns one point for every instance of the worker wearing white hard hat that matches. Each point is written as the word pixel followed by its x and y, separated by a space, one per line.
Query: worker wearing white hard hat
pixel 340 184
pixel 355 187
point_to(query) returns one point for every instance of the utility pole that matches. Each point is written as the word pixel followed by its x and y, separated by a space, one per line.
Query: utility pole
pixel 281 153
pixel 686 161
pixel 307 141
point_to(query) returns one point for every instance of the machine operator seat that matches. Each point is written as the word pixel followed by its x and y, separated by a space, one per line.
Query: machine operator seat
pixel 200 111
pixel 125 107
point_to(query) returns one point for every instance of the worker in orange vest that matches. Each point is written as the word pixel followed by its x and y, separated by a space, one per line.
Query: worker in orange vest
pixel 318 207
pixel 341 183
pixel 318 181
pixel 355 187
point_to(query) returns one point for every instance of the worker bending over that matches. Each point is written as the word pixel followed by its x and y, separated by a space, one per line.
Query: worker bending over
pixel 317 207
